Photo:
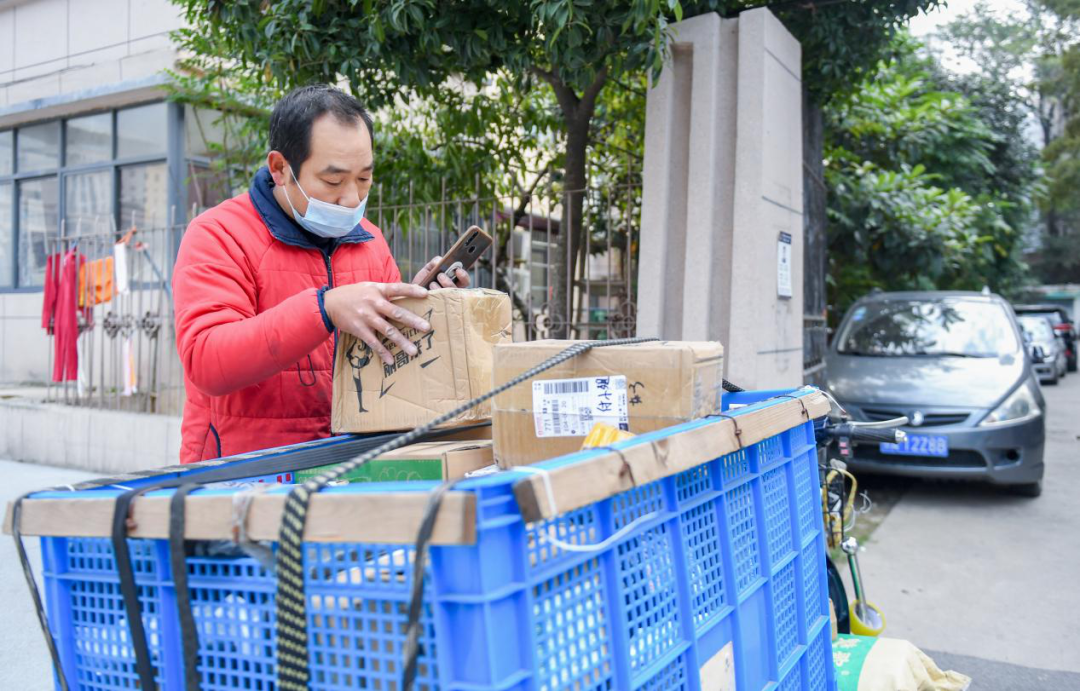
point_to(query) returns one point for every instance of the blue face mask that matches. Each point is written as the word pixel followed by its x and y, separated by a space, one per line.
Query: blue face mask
pixel 325 219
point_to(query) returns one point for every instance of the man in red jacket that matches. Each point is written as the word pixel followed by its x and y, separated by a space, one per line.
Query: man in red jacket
pixel 264 280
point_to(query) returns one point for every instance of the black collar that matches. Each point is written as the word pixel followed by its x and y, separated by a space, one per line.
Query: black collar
pixel 283 227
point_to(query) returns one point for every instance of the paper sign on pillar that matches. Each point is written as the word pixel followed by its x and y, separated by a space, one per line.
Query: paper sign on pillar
pixel 453 364
pixel 639 388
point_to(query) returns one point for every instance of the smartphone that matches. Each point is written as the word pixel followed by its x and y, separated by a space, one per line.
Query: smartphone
pixel 468 248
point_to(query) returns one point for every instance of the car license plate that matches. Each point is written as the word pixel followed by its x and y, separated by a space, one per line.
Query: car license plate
pixel 933 445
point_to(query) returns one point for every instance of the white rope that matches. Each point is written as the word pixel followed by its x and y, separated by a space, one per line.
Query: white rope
pixel 551 539
pixel 241 505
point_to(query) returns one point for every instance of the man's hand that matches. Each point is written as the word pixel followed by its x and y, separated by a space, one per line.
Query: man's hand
pixel 424 277
pixel 365 311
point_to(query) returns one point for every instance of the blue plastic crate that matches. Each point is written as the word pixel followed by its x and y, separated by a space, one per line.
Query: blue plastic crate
pixel 732 559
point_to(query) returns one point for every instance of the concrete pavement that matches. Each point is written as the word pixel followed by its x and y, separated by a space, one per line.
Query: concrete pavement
pixel 988 580
pixel 24 659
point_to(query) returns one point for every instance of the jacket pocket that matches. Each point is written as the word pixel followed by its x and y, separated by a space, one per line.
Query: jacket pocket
pixel 213 441
pixel 306 378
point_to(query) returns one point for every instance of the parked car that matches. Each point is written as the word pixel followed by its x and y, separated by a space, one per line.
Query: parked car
pixel 955 364
pixel 1063 325
pixel 1047 349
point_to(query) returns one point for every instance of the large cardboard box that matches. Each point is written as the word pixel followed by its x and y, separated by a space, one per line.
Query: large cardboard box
pixel 453 365
pixel 640 388
pixel 433 460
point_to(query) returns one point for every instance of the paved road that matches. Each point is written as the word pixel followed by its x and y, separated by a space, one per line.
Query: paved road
pixel 987 582
pixel 24 660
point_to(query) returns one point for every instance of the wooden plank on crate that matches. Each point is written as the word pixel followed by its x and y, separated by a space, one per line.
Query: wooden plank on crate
pixel 391 517
pixel 598 478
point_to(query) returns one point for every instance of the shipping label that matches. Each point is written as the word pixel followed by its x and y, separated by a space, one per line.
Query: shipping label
pixel 570 407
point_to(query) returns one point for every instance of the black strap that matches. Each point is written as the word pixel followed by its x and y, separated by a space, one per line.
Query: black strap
pixel 282 460
pixel 220 470
pixel 416 598
pixel 16 534
pixel 129 590
pixel 189 635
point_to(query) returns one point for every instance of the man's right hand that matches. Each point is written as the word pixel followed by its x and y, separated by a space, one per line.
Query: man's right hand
pixel 365 311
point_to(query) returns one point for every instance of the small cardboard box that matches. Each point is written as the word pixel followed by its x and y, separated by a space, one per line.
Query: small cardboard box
pixel 453 365
pixel 640 388
pixel 433 460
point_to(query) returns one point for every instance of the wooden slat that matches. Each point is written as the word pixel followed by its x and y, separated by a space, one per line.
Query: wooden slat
pixel 584 483
pixel 333 517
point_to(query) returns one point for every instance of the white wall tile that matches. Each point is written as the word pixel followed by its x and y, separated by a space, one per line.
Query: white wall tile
pixel 146 64
pixel 40 87
pixel 7 40
pixel 82 78
pixel 96 24
pixel 41 29
pixel 150 17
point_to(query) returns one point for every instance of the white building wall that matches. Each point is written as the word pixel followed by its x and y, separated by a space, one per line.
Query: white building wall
pixel 60 58
pixel 54 48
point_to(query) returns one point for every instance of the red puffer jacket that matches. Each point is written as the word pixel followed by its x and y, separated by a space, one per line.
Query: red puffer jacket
pixel 256 347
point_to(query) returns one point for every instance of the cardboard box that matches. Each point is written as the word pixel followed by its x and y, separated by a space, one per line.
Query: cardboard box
pixel 640 388
pixel 453 365
pixel 433 460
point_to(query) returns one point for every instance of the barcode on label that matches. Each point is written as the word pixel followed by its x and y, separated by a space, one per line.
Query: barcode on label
pixel 553 387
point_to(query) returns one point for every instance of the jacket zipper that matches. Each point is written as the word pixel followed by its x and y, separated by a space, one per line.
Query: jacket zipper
pixel 330 284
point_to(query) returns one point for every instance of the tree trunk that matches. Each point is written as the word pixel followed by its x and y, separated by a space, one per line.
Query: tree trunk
pixel 569 240
pixel 577 114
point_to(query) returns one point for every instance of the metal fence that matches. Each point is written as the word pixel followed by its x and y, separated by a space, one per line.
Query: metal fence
pixel 127 343
pixel 600 299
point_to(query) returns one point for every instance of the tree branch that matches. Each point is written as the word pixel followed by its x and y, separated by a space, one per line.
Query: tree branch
pixel 588 99
pixel 568 100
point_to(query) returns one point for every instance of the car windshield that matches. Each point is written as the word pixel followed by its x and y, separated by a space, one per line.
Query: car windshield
pixel 928 328
pixel 1052 315
pixel 1038 327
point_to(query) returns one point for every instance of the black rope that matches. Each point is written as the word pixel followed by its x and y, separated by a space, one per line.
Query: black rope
pixel 189 634
pixel 39 610
pixel 738 432
pixel 292 642
pixel 129 589
pixel 412 649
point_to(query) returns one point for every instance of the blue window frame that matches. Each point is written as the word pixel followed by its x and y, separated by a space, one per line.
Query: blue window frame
pixel 83 175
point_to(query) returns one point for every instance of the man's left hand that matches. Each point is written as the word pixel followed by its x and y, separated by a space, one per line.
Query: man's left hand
pixel 424 276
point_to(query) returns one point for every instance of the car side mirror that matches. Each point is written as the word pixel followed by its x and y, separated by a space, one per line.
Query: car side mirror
pixel 1038 353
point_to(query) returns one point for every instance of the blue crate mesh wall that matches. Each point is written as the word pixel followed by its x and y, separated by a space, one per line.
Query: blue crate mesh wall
pixel 725 562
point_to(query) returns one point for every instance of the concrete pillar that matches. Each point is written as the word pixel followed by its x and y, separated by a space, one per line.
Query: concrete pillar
pixel 722 182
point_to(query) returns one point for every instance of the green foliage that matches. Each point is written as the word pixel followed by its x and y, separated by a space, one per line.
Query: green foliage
pixel 843 42
pixel 1034 55
pixel 914 201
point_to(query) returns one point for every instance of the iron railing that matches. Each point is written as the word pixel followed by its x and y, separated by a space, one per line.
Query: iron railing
pixel 126 342
pixel 600 300
pixel 132 334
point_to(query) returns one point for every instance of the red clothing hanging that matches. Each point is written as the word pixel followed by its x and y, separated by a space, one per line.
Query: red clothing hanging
pixel 52 280
pixel 65 320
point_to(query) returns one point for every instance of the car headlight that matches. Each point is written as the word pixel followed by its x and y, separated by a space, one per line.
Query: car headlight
pixel 1020 405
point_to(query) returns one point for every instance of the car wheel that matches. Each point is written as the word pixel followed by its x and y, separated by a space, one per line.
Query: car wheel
pixel 1030 489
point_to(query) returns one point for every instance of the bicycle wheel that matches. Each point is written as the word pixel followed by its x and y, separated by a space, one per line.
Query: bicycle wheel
pixel 838 596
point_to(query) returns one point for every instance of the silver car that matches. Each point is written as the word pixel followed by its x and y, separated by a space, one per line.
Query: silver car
pixel 955 364
pixel 1047 348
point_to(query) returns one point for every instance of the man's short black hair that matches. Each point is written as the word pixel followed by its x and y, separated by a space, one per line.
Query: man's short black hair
pixel 293 116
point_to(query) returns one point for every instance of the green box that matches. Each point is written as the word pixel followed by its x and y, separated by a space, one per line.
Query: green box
pixel 424 461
